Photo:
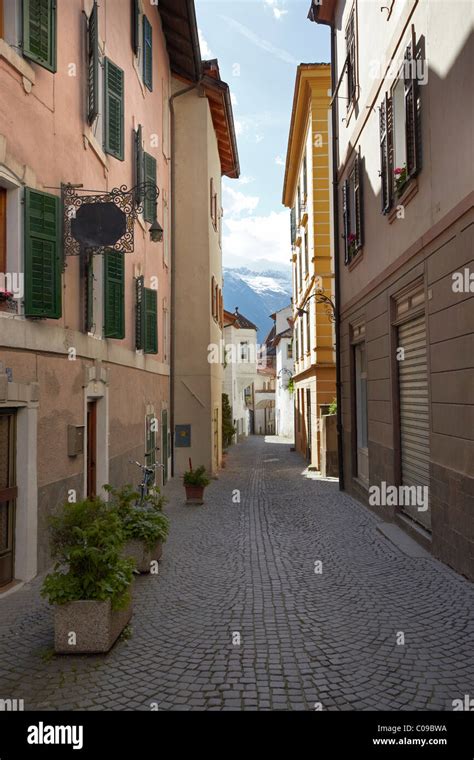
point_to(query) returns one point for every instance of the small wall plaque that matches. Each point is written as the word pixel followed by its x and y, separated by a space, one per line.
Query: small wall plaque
pixel 182 435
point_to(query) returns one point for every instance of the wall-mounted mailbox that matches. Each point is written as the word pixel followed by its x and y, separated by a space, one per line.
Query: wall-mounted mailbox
pixel 75 440
pixel 182 436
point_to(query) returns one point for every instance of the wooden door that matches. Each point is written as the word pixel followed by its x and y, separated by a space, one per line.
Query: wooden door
pixel 8 494
pixel 91 449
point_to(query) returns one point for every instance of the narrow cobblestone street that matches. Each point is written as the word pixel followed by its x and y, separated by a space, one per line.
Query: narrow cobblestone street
pixel 249 568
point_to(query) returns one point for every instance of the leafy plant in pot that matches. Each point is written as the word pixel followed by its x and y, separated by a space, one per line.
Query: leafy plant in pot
pixel 144 525
pixel 90 586
pixel 195 481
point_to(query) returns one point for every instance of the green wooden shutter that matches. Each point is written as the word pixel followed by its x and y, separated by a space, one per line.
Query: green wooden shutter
pixel 345 219
pixel 42 260
pixel 139 323
pixel 114 109
pixel 114 294
pixel 93 65
pixel 39 32
pixel 89 294
pixel 149 210
pixel 358 202
pixel 147 54
pixel 412 108
pixel 139 164
pixel 150 318
pixel 135 26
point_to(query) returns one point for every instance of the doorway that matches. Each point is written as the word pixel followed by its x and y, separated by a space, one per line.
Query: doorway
pixel 8 495
pixel 360 366
pixel 164 444
pixel 91 449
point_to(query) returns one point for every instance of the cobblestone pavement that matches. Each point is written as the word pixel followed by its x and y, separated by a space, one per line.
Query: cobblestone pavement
pixel 249 568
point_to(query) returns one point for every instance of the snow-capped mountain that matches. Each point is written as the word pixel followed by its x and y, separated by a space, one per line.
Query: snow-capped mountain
pixel 257 294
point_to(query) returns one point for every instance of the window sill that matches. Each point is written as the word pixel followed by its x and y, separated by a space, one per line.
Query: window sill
pixel 17 62
pixel 404 199
pixel 136 67
pixel 355 260
pixel 91 141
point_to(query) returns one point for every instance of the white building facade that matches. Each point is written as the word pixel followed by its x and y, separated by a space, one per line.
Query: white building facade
pixel 240 369
pixel 284 365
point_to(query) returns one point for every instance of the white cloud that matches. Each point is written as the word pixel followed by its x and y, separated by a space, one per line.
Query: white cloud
pixel 206 51
pixel 236 203
pixel 258 138
pixel 239 127
pixel 277 12
pixel 233 98
pixel 279 161
pixel 247 240
pixel 245 180
pixel 283 55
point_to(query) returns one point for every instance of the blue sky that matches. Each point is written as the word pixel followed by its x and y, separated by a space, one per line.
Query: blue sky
pixel 259 44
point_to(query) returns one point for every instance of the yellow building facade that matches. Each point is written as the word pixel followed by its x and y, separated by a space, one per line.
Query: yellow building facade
pixel 307 192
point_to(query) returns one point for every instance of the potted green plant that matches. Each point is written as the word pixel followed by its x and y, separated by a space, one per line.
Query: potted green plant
pixel 90 586
pixel 195 481
pixel 144 525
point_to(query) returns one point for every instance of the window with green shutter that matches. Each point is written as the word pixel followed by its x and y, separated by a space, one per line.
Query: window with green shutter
pixel 114 294
pixel 149 209
pixel 39 32
pixel 93 65
pixel 114 109
pixel 147 54
pixel 146 318
pixel 135 26
pixel 42 255
pixel 139 163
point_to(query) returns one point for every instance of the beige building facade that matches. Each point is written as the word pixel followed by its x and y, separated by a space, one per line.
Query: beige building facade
pixel 403 166
pixel 202 118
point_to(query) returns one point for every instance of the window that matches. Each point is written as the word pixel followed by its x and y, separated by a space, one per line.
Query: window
pixel 213 297
pixel 289 350
pixel 135 6
pixel 149 175
pixel 244 351
pixel 306 251
pixel 352 211
pixel 300 266
pixel 150 441
pixel 39 32
pixel 146 319
pixel 165 329
pixel 114 294
pixel 147 54
pixel 42 255
pixel 351 60
pixel 213 204
pixel 139 163
pixel 297 344
pixel 400 130
pixel 293 225
pixel 308 331
pixel 301 339
pixel 93 66
pixel 114 110
pixel 305 177
pixel 88 279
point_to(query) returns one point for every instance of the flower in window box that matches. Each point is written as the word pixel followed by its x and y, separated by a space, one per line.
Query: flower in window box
pixel 401 177
pixel 352 243
pixel 6 295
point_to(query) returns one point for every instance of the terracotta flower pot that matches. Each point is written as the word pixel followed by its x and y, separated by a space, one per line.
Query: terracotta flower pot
pixel 194 494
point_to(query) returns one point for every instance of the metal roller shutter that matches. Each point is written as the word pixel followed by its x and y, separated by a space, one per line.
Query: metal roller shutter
pixel 414 412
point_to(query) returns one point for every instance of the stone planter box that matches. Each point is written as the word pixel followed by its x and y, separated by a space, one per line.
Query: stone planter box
pixel 194 494
pixel 95 624
pixel 143 557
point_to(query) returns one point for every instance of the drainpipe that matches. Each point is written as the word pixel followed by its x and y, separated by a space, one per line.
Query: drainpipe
pixel 335 192
pixel 172 262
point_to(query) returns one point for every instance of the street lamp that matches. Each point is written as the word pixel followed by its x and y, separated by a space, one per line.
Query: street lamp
pixel 320 297
pixel 156 232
